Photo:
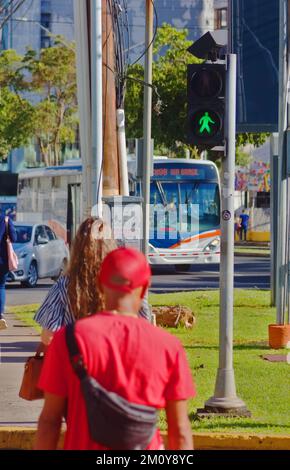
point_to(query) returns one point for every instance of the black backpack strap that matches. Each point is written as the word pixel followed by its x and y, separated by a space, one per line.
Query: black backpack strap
pixel 76 358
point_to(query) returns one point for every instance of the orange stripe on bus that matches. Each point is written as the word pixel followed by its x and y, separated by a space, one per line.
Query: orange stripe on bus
pixel 197 237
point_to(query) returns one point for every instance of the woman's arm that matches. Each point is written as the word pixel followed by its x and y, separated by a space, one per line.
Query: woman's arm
pixel 53 313
pixel 46 336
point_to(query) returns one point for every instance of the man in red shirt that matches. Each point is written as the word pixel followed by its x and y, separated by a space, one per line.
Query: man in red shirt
pixel 125 354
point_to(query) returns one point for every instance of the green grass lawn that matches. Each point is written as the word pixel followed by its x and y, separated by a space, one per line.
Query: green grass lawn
pixel 26 314
pixel 264 386
pixel 249 250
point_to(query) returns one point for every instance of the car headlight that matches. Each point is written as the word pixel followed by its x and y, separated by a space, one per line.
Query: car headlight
pixel 22 255
pixel 213 245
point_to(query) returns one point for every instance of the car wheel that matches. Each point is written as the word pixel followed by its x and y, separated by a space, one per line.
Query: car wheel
pixel 61 271
pixel 182 268
pixel 32 276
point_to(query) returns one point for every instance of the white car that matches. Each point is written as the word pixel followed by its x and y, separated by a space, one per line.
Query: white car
pixel 40 254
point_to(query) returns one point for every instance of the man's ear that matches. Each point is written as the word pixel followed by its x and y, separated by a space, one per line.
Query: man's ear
pixel 144 290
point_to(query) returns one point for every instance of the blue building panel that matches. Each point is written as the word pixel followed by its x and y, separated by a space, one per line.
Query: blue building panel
pixel 256 42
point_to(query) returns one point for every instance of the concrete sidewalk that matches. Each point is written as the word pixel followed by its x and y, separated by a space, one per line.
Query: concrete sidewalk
pixel 16 344
pixel 18 418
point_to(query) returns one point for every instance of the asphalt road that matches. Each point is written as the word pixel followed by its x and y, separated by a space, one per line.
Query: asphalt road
pixel 253 273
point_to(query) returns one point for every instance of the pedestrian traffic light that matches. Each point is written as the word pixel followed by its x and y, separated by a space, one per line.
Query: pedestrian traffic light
pixel 206 104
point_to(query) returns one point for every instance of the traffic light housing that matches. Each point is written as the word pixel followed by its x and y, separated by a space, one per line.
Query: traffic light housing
pixel 206 85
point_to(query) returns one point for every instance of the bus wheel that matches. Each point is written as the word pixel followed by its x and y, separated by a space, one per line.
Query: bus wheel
pixel 32 276
pixel 182 268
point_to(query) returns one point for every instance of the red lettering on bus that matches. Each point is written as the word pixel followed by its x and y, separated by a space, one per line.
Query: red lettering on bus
pixel 189 172
pixel 160 172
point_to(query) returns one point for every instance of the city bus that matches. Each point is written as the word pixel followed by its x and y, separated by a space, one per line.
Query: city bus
pixel 8 194
pixel 184 207
pixel 184 213
pixel 52 195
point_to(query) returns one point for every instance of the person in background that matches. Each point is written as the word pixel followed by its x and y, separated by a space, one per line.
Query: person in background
pixel 126 355
pixel 237 229
pixel 6 228
pixel 244 221
pixel 76 295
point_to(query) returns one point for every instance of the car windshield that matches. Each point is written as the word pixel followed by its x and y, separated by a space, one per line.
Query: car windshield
pixel 23 233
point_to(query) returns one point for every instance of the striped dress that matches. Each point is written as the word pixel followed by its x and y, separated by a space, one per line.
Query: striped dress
pixel 55 312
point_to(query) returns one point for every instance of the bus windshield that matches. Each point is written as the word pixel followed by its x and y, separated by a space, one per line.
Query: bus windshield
pixel 182 209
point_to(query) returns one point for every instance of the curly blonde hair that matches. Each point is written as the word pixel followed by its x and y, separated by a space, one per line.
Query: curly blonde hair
pixel 91 244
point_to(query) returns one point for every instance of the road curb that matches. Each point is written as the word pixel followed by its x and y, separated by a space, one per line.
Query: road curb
pixel 23 439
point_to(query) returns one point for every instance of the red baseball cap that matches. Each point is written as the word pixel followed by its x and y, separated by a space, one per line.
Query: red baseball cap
pixel 124 270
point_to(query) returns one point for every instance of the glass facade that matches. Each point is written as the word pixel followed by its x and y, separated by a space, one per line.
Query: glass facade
pixel 35 19
pixel 30 24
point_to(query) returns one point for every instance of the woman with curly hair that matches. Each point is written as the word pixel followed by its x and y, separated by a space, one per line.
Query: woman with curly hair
pixel 76 294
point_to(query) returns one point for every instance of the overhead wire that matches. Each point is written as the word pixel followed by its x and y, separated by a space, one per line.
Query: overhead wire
pixel 153 38
pixel 10 7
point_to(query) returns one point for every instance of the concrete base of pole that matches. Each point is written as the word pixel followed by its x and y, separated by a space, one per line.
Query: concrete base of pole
pixel 225 401
pixel 204 413
pixel 224 407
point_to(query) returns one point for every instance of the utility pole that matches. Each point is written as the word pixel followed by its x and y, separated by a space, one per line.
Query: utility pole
pixel 225 400
pixel 147 125
pixel 97 102
pixel 111 179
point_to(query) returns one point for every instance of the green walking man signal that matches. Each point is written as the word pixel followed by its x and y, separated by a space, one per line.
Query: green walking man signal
pixel 206 84
pixel 205 122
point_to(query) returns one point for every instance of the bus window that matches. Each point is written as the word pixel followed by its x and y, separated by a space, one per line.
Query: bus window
pixel 205 196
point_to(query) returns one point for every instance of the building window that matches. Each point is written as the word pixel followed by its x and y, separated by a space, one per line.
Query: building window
pixel 45 41
pixel 221 18
pixel 45 20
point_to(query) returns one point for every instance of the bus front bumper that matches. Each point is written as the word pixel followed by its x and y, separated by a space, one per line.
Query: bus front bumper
pixel 165 258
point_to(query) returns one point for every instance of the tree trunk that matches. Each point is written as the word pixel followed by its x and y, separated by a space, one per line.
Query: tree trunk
pixel 59 123
pixel 43 152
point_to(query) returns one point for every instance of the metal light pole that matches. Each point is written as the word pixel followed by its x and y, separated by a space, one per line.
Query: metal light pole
pixel 147 153
pixel 97 106
pixel 81 16
pixel 225 400
pixel 281 280
pixel 274 161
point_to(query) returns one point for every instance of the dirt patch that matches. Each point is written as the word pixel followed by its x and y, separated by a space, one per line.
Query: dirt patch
pixel 174 316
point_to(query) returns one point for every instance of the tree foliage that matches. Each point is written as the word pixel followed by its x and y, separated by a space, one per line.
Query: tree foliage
pixel 53 77
pixel 169 96
pixel 38 99
pixel 16 113
pixel 169 118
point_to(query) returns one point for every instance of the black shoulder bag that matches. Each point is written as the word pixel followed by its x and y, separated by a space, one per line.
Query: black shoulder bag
pixel 113 421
